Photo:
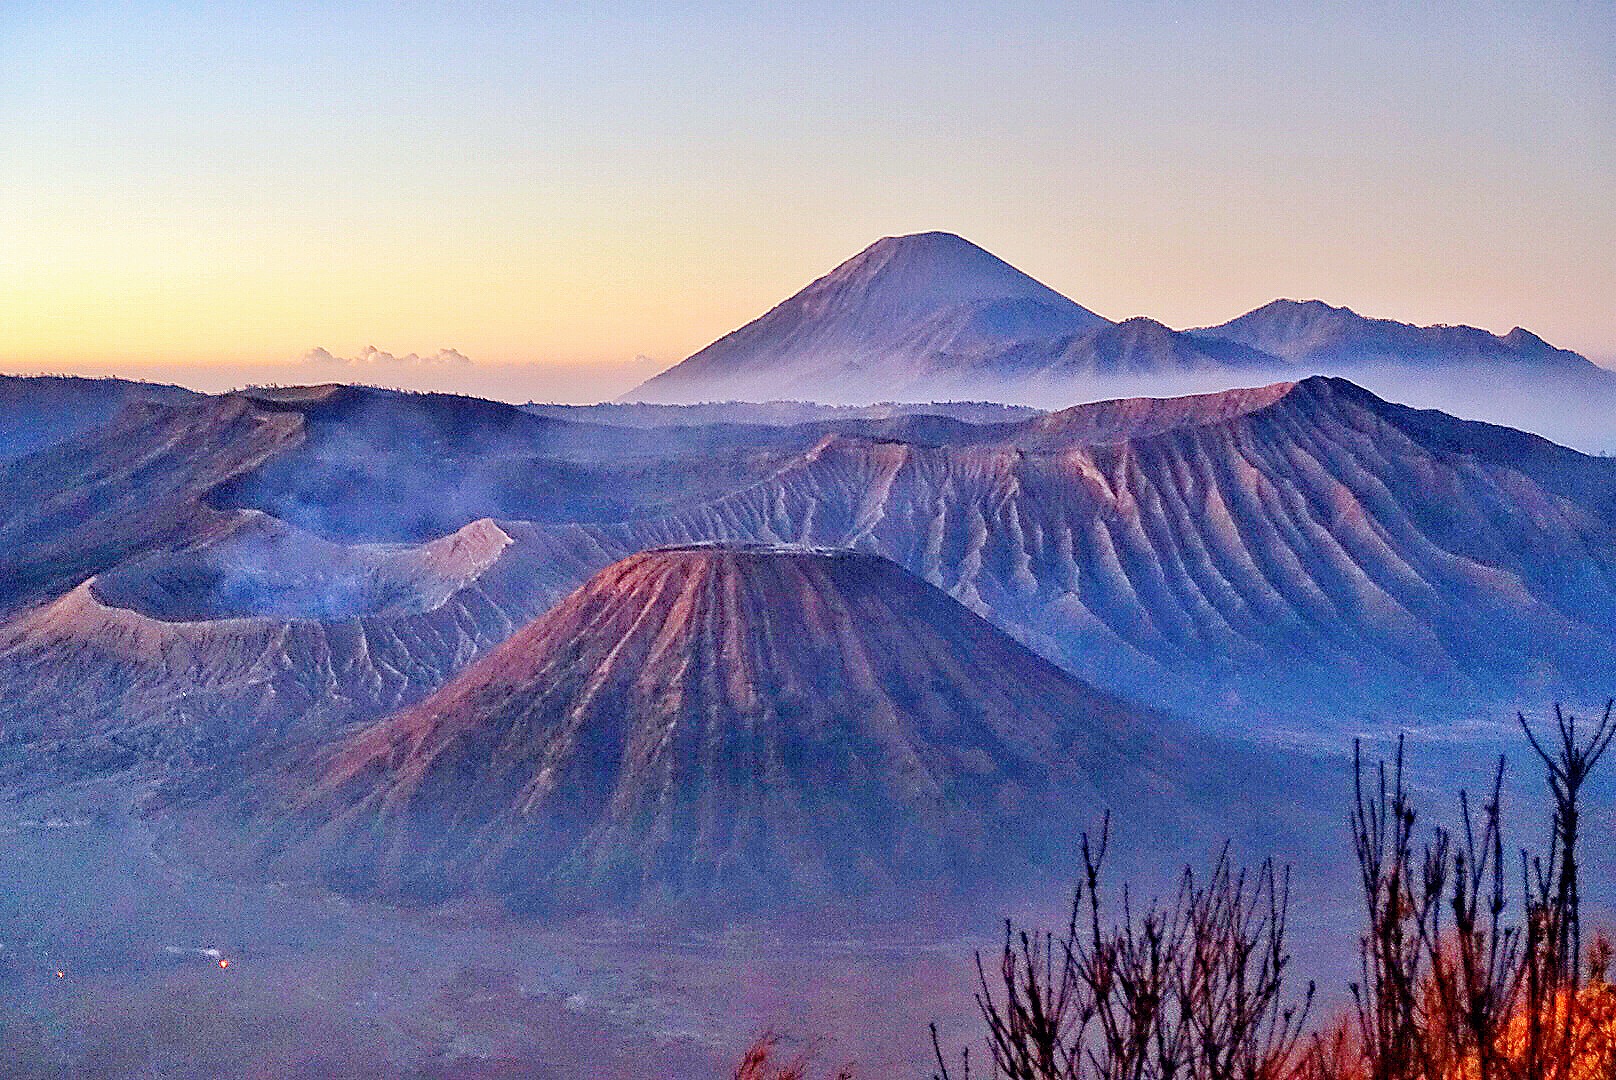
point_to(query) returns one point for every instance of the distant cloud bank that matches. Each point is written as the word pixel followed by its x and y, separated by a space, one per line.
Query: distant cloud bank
pixel 371 356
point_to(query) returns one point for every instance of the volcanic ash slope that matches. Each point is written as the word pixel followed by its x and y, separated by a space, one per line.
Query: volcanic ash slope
pixel 726 728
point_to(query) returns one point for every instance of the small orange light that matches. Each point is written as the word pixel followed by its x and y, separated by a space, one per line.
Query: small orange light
pixel 224 963
pixel 61 974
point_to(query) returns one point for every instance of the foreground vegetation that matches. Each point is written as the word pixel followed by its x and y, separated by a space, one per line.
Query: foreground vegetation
pixel 1457 980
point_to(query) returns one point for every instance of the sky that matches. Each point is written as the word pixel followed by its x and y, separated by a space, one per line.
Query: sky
pixel 557 200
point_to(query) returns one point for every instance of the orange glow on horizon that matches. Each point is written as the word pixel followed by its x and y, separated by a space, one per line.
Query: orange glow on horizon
pixel 183 198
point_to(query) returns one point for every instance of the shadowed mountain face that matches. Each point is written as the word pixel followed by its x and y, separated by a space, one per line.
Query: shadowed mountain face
pixel 133 486
pixel 350 462
pixel 726 729
pixel 1133 348
pixel 37 411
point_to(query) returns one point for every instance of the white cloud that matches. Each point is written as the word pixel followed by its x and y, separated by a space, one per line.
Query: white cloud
pixel 371 356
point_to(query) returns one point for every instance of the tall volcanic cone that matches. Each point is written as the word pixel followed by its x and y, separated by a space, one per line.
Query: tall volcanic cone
pixel 731 728
pixel 908 314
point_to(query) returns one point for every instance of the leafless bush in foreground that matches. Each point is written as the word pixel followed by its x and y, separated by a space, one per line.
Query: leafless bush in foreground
pixel 1190 988
pixel 1455 983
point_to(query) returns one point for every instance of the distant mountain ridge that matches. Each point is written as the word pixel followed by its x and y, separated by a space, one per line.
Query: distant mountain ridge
pixel 932 316
pixel 775 413
pixel 1316 336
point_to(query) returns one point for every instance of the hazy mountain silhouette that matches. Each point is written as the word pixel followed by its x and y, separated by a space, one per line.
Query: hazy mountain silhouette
pixel 905 312
pixel 1317 337
pixel 932 316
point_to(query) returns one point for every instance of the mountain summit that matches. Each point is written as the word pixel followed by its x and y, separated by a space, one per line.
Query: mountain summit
pixel 924 273
pixel 907 311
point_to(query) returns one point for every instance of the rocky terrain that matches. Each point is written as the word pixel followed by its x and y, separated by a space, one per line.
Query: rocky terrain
pixel 1304 547
pixel 1301 550
pixel 199 656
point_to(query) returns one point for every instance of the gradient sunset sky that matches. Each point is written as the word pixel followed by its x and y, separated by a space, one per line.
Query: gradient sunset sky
pixel 576 195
